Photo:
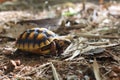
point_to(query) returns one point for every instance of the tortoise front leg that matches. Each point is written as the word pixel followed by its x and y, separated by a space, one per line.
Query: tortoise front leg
pixel 53 48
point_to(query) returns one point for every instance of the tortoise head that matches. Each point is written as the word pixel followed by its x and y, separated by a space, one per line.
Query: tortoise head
pixel 62 43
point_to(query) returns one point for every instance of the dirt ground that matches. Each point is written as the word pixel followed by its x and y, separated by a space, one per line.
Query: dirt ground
pixel 93 29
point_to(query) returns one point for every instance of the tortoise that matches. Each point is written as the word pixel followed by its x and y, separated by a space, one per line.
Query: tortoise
pixel 41 41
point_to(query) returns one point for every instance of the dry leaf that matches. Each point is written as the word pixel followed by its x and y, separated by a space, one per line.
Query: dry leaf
pixel 113 74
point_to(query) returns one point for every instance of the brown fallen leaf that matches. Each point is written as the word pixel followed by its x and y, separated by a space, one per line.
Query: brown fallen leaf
pixel 113 74
pixel 116 69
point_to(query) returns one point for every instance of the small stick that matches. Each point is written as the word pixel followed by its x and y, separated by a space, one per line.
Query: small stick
pixel 96 36
pixel 55 74
pixel 97 43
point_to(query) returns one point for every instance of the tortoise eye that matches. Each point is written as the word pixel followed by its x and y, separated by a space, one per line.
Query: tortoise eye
pixel 61 43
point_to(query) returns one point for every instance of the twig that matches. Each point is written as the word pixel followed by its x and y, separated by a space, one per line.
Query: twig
pixel 79 26
pixel 110 45
pixel 114 56
pixel 55 74
pixel 83 3
pixel 97 43
pixel 96 70
pixel 96 36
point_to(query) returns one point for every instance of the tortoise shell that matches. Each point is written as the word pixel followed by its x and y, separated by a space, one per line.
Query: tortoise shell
pixel 35 38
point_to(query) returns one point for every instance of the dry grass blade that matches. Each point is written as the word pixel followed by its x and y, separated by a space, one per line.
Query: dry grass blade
pixel 109 45
pixel 55 74
pixel 67 51
pixel 76 53
pixel 96 70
